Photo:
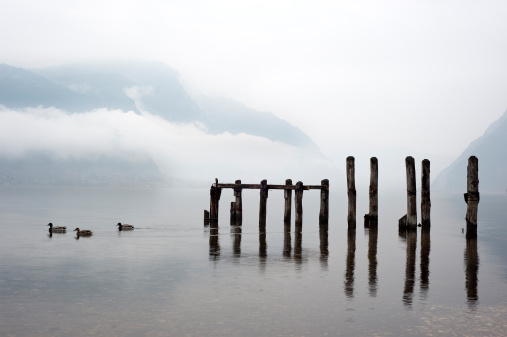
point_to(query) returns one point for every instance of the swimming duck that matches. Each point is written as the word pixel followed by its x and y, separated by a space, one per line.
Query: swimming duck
pixel 124 227
pixel 84 232
pixel 56 229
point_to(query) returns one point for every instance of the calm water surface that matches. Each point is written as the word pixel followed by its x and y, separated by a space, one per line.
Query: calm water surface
pixel 172 276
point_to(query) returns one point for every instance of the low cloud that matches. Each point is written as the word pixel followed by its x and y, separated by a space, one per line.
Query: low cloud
pixel 184 151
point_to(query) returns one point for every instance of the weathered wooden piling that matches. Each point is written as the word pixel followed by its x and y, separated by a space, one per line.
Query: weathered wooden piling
pixel 233 212
pixel 373 210
pixel 287 193
pixel 263 202
pixel 324 203
pixel 411 193
pixel 298 203
pixel 351 192
pixel 402 223
pixel 215 193
pixel 238 205
pixel 206 217
pixel 472 196
pixel 425 194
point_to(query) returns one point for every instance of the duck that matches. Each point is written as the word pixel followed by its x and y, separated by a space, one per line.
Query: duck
pixel 56 229
pixel 124 227
pixel 84 232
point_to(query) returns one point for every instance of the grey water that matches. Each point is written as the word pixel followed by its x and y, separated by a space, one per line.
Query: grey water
pixel 173 276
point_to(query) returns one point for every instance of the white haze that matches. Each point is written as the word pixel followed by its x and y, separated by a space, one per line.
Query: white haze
pixel 182 151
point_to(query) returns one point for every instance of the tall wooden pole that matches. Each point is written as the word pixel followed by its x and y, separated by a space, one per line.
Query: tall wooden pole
pixel 263 202
pixel 215 193
pixel 411 193
pixel 472 196
pixel 373 210
pixel 324 202
pixel 298 203
pixel 425 194
pixel 288 203
pixel 351 192
pixel 238 205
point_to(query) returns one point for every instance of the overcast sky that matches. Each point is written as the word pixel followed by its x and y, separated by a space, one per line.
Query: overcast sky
pixel 423 77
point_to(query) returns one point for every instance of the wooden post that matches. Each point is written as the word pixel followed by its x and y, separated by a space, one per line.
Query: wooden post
pixel 287 248
pixel 263 201
pixel 233 212
pixel 425 194
pixel 324 202
pixel 288 203
pixel 351 192
pixel 206 217
pixel 238 211
pixel 411 193
pixel 472 196
pixel 298 203
pixel 373 211
pixel 215 193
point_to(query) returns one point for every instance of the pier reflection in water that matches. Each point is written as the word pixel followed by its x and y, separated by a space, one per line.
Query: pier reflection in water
pixel 408 291
pixel 425 261
pixel 351 263
pixel 372 260
pixel 471 272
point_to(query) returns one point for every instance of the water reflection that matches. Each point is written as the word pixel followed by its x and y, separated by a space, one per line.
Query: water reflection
pixel 214 245
pixel 471 272
pixel 408 291
pixel 324 244
pixel 351 263
pixel 425 261
pixel 372 260
pixel 236 243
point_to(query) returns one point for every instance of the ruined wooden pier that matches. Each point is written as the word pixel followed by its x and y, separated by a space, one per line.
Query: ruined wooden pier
pixel 264 187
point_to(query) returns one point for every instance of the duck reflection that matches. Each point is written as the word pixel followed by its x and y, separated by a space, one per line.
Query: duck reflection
pixel 324 244
pixel 425 261
pixel 236 244
pixel 351 263
pixel 287 245
pixel 408 291
pixel 372 260
pixel 214 245
pixel 471 271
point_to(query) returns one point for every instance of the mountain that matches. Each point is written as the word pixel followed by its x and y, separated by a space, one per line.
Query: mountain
pixel 491 151
pixel 150 88
pixel 140 87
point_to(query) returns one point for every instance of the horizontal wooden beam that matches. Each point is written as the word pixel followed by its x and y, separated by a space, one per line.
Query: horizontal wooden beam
pixel 272 187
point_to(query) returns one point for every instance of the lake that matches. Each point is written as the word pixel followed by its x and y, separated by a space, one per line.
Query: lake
pixel 173 276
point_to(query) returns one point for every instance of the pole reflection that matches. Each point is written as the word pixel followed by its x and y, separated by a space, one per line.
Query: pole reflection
pixel 236 245
pixel 351 263
pixel 214 245
pixel 471 272
pixel 408 291
pixel 372 260
pixel 425 261
pixel 324 244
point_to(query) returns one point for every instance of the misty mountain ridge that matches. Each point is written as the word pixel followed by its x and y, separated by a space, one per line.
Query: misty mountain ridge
pixel 491 151
pixel 139 87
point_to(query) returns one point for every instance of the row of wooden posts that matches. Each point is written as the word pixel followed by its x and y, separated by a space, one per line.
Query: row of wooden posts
pixel 408 221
